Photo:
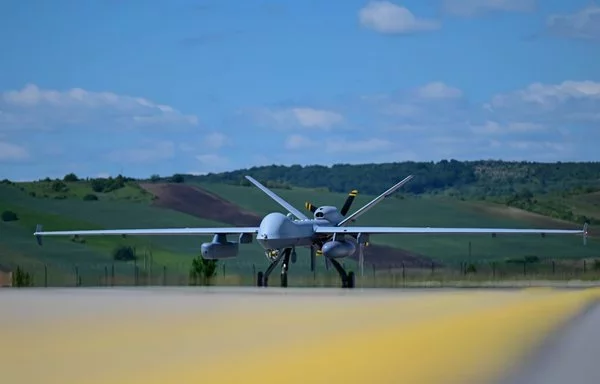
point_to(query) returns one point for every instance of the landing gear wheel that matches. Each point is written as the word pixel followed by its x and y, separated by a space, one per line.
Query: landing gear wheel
pixel 350 280
pixel 260 279
pixel 284 280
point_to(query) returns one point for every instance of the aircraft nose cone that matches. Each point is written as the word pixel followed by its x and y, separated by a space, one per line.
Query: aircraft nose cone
pixel 273 226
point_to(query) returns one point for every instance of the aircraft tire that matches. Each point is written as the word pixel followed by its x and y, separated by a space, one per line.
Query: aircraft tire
pixel 260 279
pixel 284 280
pixel 350 280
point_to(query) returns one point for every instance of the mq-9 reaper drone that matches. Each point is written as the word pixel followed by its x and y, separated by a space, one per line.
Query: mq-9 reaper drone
pixel 328 233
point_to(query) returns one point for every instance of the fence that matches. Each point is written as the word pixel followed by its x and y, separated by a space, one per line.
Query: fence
pixel 472 273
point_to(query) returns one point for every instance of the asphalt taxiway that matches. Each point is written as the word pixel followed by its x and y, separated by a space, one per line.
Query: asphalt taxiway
pixel 238 335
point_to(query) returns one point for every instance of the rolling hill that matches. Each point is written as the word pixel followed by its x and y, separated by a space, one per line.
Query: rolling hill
pixel 123 202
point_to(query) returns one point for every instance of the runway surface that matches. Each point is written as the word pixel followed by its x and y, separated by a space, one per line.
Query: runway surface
pixel 237 335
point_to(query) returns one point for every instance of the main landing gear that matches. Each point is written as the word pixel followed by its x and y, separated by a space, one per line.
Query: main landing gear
pixel 262 279
pixel 347 277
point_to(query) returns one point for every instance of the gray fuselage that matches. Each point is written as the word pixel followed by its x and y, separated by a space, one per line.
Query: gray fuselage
pixel 278 231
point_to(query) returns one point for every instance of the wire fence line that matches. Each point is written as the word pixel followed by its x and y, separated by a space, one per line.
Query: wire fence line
pixel 153 274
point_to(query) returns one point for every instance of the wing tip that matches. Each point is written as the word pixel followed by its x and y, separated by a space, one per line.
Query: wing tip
pixel 37 234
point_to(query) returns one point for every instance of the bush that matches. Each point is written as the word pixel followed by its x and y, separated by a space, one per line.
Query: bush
pixel 22 278
pixel 202 271
pixel 71 177
pixel 59 186
pixel 124 253
pixel 177 178
pixel 90 197
pixel 9 216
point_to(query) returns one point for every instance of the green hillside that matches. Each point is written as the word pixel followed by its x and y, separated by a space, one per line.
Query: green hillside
pixel 487 194
pixel 62 255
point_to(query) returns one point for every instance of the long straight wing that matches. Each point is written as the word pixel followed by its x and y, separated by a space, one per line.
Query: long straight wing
pixel 147 232
pixel 428 230
pixel 373 202
pixel 151 231
pixel 278 199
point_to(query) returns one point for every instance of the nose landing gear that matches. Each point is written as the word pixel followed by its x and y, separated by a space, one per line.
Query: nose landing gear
pixel 262 279
pixel 277 255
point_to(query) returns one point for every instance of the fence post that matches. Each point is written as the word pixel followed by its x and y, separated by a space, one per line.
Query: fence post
pixel 45 276
pixel 403 274
pixel 112 275
pixel 584 266
pixel 493 269
pixel 374 278
pixel 553 267
pixel 164 275
pixel 76 276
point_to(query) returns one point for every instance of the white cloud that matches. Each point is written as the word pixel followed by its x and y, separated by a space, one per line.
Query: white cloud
pixel 298 142
pixel 475 7
pixel 584 24
pixel 546 122
pixel 211 159
pixel 215 140
pixel 389 18
pixel 309 117
pixel 45 108
pixel 336 144
pixel 12 152
pixel 297 116
pixel 493 127
pixel 438 90
pixel 358 145
pixel 575 101
pixel 211 162
pixel 149 153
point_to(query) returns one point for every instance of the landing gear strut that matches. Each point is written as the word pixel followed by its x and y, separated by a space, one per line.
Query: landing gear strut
pixel 262 279
pixel 347 278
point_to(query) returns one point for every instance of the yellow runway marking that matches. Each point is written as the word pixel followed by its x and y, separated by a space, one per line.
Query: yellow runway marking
pixel 425 338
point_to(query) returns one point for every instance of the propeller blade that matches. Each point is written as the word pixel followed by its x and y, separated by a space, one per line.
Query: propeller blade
pixel 348 202
pixel 310 207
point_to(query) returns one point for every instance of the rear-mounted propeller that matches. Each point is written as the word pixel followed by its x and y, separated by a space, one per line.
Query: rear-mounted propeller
pixel 345 208
pixel 310 207
pixel 348 202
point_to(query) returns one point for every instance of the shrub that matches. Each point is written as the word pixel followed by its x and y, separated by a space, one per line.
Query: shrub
pixel 124 253
pixel 22 278
pixel 90 197
pixel 177 178
pixel 202 271
pixel 71 177
pixel 9 216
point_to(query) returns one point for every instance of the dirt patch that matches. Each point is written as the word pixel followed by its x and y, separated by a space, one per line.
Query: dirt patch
pixel 198 202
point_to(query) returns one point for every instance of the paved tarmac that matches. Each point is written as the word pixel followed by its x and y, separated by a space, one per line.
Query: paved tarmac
pixel 238 335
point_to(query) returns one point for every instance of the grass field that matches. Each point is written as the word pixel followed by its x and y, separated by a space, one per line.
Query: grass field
pixel 130 207
pixel 61 255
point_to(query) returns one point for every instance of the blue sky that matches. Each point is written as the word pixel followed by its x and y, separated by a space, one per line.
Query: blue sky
pixel 142 87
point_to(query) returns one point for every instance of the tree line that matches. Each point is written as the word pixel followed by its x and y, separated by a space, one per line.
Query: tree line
pixel 451 177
